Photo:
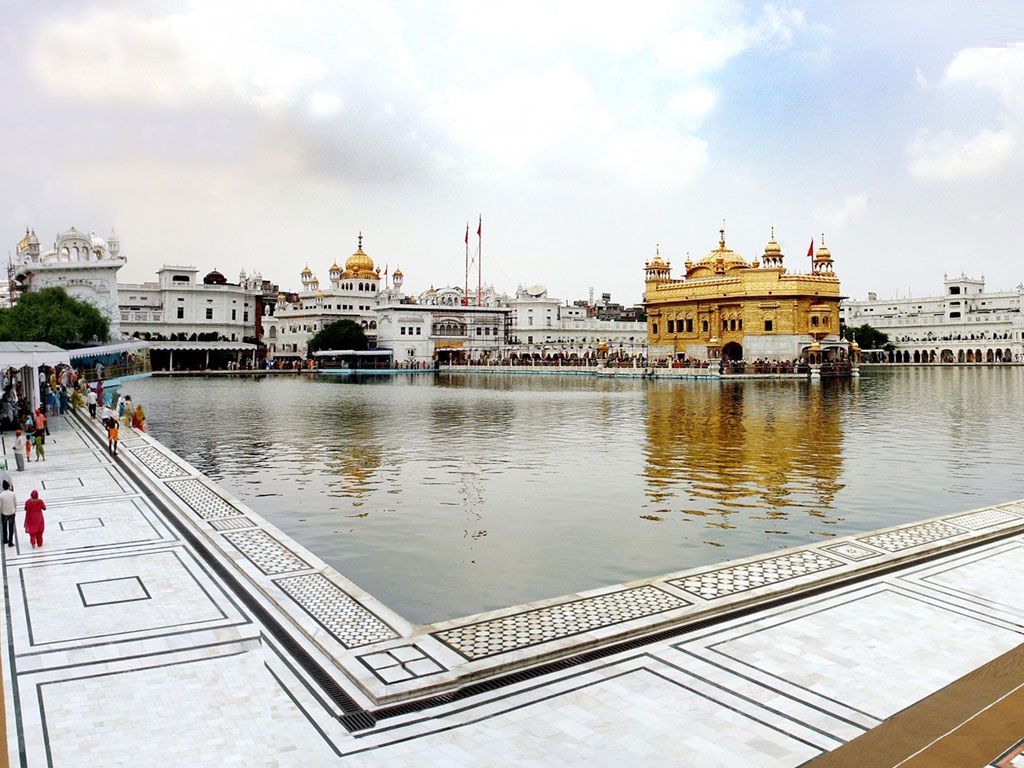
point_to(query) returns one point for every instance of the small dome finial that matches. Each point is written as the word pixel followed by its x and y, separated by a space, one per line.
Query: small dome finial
pixel 360 239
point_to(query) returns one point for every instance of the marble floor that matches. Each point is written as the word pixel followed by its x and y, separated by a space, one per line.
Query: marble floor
pixel 162 623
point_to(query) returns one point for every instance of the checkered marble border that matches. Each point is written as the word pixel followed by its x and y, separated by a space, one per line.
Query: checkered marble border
pixel 912 536
pixel 985 518
pixel 203 501
pixel 157 463
pixel 232 523
pixel 721 582
pixel 266 552
pixel 397 665
pixel 523 630
pixel 851 551
pixel 133 442
pixel 348 621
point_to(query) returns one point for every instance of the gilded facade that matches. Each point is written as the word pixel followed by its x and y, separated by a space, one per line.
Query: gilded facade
pixel 728 307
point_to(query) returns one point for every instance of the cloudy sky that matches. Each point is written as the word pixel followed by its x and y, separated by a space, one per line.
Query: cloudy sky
pixel 242 134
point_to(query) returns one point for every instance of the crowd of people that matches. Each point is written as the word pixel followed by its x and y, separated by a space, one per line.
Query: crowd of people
pixel 61 389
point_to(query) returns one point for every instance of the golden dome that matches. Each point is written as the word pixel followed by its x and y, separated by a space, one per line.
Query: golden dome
pixel 280 297
pixel 773 248
pixel 335 267
pixel 728 257
pixel 307 270
pixel 320 294
pixel 398 273
pixel 359 264
pixel 823 253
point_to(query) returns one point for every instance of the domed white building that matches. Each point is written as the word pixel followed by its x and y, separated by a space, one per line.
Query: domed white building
pixel 350 294
pixel 84 265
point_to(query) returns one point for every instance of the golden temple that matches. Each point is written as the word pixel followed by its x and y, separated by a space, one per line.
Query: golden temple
pixel 727 307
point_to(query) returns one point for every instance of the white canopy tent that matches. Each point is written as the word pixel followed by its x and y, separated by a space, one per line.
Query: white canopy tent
pixel 31 355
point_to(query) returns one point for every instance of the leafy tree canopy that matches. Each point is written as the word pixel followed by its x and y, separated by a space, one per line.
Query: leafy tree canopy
pixel 866 336
pixel 51 315
pixel 344 334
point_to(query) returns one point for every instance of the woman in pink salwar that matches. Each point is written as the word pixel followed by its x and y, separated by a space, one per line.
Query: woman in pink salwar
pixel 34 523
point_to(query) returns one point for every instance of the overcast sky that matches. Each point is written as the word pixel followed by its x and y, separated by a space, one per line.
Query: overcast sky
pixel 265 135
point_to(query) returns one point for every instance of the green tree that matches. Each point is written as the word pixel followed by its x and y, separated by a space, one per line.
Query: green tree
pixel 52 316
pixel 866 336
pixel 343 334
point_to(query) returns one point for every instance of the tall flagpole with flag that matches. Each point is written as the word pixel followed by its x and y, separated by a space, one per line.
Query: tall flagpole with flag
pixel 479 259
pixel 465 294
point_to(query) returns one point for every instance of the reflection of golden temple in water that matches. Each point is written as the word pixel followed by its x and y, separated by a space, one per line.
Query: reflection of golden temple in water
pixel 353 467
pixel 768 449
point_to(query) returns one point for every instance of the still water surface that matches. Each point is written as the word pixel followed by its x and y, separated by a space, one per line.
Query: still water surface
pixel 448 495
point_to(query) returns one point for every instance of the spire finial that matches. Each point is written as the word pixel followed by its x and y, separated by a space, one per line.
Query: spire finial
pixel 657 249
pixel 360 239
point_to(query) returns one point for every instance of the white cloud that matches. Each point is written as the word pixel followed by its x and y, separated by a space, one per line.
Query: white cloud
pixel 949 157
pixel 515 118
pixel 691 105
pixel 219 51
pixel 836 215
pixel 998 69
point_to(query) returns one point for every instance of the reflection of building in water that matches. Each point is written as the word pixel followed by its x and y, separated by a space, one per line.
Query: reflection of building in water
pixel 728 307
pixel 769 450
pixel 354 456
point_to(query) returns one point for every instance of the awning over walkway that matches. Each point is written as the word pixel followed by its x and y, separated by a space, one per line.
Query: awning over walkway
pixel 202 346
pixel 18 354
pixel 33 355
pixel 106 349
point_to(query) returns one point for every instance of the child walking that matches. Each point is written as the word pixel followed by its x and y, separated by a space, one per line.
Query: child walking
pixel 112 436
pixel 40 446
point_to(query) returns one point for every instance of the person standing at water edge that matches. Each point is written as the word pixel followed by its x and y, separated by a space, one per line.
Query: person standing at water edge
pixel 90 399
pixel 34 522
pixel 8 507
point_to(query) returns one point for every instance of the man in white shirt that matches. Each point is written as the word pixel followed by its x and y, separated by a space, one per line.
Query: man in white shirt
pixel 8 506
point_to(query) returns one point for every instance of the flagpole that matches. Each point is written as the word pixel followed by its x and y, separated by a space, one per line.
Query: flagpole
pixel 479 258
pixel 465 294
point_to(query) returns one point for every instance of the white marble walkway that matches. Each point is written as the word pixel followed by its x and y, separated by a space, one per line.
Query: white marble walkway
pixel 125 643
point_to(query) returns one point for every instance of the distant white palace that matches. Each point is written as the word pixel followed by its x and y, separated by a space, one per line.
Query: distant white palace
pixel 85 265
pixel 963 325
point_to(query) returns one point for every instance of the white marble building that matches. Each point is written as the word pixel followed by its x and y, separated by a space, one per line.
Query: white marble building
pixel 438 327
pixel 542 325
pixel 84 265
pixel 964 324
pixel 350 294
pixel 179 302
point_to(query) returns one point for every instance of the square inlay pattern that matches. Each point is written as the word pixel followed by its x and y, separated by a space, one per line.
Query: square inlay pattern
pixel 349 622
pixel 739 578
pixel 398 664
pixel 522 630
pixel 912 536
pixel 266 552
pixel 232 523
pixel 63 482
pixel 851 551
pixel 157 463
pixel 204 502
pixel 132 442
pixel 110 591
pixel 984 518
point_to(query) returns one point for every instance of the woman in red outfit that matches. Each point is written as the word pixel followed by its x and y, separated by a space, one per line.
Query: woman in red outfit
pixel 34 523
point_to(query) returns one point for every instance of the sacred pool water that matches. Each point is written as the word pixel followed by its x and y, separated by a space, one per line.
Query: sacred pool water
pixel 452 494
